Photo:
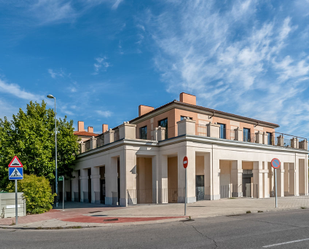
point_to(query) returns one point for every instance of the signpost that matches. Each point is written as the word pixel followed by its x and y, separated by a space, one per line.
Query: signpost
pixel 275 163
pixel 61 179
pixel 16 173
pixel 185 165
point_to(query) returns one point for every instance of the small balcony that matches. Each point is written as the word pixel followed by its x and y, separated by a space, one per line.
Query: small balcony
pixel 274 138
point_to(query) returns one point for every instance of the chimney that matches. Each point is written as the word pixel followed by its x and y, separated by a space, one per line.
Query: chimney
pixel 80 126
pixel 104 128
pixel 90 129
pixel 143 109
pixel 187 98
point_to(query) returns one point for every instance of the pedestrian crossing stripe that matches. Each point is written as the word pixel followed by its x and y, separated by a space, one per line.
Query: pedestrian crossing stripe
pixel 16 173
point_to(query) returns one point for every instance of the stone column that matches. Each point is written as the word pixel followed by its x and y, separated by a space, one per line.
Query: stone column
pixel 215 175
pixel 257 179
pixel 163 180
pixel 109 136
pixel 259 137
pixel 295 143
pixel 128 177
pixel 95 185
pixel 265 179
pixel 74 185
pixel 280 140
pixel 155 182
pixel 191 186
pixel 82 147
pixel 127 131
pixel 236 178
pixel 306 174
pixel 93 143
pixel 213 130
pixel 83 184
pixel 265 138
pixel 296 177
pixel 111 178
pixel 207 176
pixel 238 134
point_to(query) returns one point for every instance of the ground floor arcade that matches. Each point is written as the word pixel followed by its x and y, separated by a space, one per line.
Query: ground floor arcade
pixel 139 173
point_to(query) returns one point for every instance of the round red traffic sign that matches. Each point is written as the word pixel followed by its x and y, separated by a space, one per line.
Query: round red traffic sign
pixel 275 163
pixel 185 162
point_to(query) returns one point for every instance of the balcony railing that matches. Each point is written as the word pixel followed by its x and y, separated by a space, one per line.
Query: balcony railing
pixel 87 145
pixel 275 139
pixel 100 140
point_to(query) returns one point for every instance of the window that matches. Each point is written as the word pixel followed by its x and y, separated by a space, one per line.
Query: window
pixel 269 138
pixel 246 137
pixel 163 123
pixel 143 132
pixel 222 131
pixel 182 117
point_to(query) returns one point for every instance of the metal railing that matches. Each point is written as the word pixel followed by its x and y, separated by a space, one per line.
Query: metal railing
pixel 87 145
pixel 100 140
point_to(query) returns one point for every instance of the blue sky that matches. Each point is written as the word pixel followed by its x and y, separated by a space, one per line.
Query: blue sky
pixel 102 58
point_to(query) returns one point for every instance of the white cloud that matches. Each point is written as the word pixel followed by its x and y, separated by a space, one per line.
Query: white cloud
pixel 51 11
pixel 100 65
pixel 232 60
pixel 55 74
pixel 116 4
pixel 15 90
pixel 105 114
pixel 7 109
pixel 46 12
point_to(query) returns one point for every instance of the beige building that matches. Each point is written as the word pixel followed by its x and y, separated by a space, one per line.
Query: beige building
pixel 141 161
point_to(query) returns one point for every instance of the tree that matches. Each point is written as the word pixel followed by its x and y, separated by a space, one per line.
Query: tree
pixel 30 135
pixel 37 192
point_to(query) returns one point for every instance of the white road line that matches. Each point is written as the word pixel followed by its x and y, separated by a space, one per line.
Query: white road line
pixel 284 243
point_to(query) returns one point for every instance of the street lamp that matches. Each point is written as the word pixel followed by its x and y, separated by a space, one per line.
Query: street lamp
pixel 52 97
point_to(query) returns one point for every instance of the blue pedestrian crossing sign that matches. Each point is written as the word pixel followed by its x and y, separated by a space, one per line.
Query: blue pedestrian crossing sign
pixel 16 174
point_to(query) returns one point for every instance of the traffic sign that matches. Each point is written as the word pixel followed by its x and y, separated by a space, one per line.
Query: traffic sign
pixel 60 178
pixel 275 163
pixel 185 162
pixel 16 173
pixel 15 163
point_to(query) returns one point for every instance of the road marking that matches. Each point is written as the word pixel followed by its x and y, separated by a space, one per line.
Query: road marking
pixel 284 243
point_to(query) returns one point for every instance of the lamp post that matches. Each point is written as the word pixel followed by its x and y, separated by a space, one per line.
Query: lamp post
pixel 52 97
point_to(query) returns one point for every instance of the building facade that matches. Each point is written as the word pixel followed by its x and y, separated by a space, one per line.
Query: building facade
pixel 141 161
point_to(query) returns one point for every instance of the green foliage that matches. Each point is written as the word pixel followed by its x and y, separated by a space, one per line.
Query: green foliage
pixel 30 135
pixel 37 191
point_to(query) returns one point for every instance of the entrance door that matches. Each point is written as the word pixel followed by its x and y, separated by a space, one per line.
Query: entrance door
pixel 102 184
pixel 246 187
pixel 200 190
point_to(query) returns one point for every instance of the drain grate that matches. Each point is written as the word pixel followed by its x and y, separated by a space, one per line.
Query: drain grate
pixel 110 219
pixel 92 212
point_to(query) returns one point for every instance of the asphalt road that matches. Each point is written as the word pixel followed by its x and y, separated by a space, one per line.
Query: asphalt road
pixel 284 229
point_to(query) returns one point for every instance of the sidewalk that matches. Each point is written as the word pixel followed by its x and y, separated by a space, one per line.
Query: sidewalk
pixel 78 215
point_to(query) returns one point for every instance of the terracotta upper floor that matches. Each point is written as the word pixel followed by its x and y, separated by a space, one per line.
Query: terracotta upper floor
pixel 164 123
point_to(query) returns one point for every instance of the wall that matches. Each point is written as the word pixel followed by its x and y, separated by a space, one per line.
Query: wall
pixel 144 180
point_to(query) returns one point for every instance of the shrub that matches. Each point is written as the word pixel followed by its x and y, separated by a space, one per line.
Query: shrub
pixel 37 191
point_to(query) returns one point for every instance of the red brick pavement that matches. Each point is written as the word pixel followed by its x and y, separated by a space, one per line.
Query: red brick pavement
pixel 54 214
